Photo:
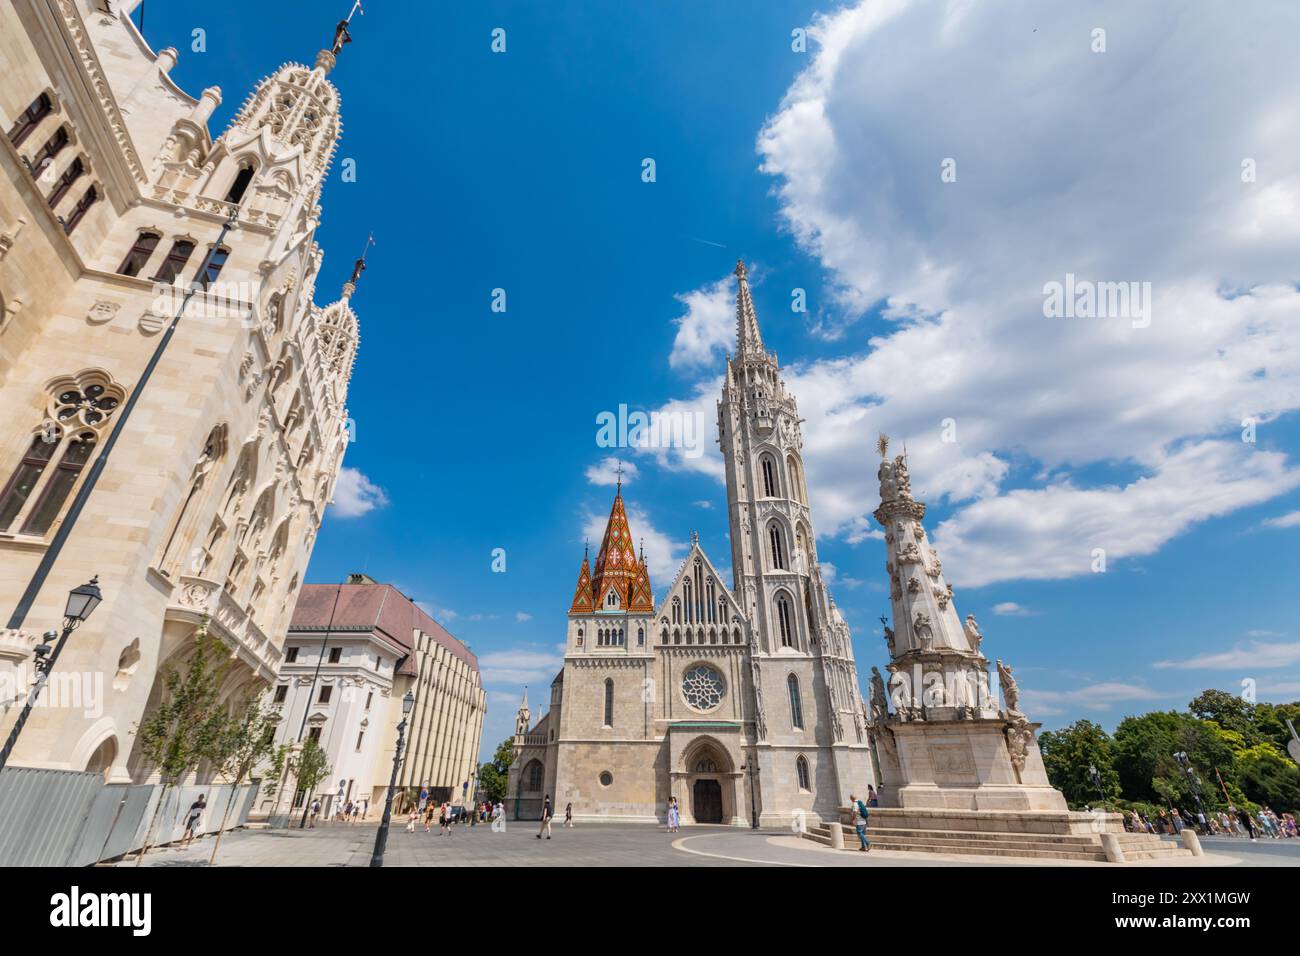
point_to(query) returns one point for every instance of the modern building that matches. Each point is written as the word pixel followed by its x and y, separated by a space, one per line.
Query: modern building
pixel 353 652
pixel 739 701
pixel 113 197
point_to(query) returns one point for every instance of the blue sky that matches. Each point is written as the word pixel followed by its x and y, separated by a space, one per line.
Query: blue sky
pixel 522 171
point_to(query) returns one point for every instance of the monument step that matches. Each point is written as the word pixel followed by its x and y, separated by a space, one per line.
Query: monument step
pixel 1136 846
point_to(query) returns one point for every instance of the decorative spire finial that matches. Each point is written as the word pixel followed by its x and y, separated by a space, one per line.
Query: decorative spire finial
pixel 749 342
pixel 619 489
pixel 341 34
pixel 882 445
pixel 358 267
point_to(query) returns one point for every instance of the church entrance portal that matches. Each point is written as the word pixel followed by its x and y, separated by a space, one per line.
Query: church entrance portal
pixel 707 805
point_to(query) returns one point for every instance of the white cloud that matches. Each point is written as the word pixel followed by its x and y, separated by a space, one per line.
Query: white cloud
pixel 355 495
pixel 1252 655
pixel 1099 696
pixel 527 664
pixel 706 505
pixel 1012 609
pixel 1290 520
pixel 708 327
pixel 663 556
pixel 606 471
pixel 522 616
pixel 959 268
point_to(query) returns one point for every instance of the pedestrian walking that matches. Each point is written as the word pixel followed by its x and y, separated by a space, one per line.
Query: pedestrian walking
pixel 315 812
pixel 547 813
pixel 674 818
pixel 192 818
pixel 873 799
pixel 568 815
pixel 859 820
pixel 411 819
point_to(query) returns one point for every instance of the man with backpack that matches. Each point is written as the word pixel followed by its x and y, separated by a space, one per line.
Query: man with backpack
pixel 860 821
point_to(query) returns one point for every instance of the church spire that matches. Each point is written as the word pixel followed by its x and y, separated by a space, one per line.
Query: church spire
pixel 358 267
pixel 749 342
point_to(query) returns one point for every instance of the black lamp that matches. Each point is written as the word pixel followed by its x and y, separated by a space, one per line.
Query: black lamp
pixel 82 602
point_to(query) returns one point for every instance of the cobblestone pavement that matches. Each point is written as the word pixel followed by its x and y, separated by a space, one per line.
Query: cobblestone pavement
pixel 594 845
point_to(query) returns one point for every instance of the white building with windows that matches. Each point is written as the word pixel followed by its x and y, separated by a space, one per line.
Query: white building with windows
pixel 113 197
pixel 735 700
pixel 352 652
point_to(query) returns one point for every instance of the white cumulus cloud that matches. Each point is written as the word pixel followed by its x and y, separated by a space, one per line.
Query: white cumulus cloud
pixel 356 495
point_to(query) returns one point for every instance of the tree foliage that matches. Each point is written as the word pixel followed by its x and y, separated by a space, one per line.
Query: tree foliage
pixel 493 775
pixel 1235 755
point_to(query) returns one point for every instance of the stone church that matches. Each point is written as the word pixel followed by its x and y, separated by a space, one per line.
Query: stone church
pixel 113 200
pixel 743 701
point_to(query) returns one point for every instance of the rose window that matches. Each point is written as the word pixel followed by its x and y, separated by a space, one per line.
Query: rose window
pixel 703 687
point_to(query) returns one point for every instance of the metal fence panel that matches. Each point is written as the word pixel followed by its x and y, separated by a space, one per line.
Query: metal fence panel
pixel 42 814
pixel 66 818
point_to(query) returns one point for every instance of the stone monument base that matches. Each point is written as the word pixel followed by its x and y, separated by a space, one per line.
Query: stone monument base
pixel 979 763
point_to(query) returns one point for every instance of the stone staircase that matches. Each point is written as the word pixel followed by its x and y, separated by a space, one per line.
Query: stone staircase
pixel 1040 835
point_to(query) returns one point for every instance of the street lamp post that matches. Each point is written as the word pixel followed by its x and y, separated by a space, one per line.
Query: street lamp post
pixel 1095 776
pixel 753 794
pixel 1186 763
pixel 381 838
pixel 82 601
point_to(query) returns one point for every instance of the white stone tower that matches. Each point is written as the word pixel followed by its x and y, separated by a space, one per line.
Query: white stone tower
pixel 805 680
pixel 946 744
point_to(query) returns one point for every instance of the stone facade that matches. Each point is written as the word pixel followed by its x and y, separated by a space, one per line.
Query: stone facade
pixel 113 195
pixel 352 652
pixel 737 701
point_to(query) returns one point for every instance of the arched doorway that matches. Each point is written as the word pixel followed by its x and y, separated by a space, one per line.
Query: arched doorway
pixel 706 802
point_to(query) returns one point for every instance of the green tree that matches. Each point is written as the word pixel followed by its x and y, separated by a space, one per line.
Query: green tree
pixel 182 730
pixel 494 774
pixel 1067 755
pixel 1228 711
pixel 310 766
pixel 246 739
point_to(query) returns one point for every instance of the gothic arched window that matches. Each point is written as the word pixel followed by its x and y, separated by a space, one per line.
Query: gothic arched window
pixel 797 490
pixel 801 771
pixel 240 186
pixel 785 620
pixel 216 260
pixel 535 773
pixel 76 169
pixel 609 702
pixel 771 485
pixel 776 546
pixel 796 703
pixel 79 408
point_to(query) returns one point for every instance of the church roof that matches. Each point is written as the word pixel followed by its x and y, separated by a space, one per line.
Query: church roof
pixel 617 566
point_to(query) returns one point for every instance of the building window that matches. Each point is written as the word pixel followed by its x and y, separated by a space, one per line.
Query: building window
pixel 29 118
pixel 579 637
pixel 281 692
pixel 776 546
pixel 535 777
pixel 76 169
pixel 240 185
pixel 703 687
pixel 291 655
pixel 606 778
pixel 370 698
pixel 326 692
pixel 801 771
pixel 771 488
pixel 25 478
pixel 138 257
pixel 336 654
pixel 609 702
pixel 314 734
pixel 785 620
pixel 177 256
pixel 640 637
pixel 56 491
pixel 796 704
pixel 88 199
pixel 216 260
pixel 45 155
pixel 360 737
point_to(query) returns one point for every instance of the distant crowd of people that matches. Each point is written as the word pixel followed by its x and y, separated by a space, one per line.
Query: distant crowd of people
pixel 449 816
pixel 1230 822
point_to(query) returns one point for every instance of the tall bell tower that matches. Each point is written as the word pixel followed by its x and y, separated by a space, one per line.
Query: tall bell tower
pixel 810 727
